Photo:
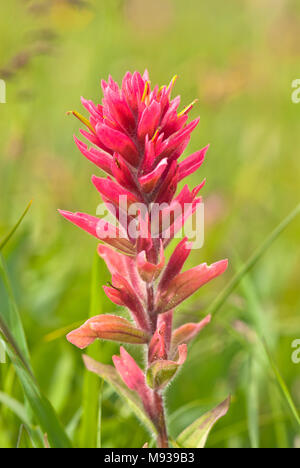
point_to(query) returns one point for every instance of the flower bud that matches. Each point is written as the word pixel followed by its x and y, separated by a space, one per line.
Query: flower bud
pixel 161 372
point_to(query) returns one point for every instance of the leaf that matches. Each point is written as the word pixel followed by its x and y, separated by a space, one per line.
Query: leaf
pixel 16 407
pixel 195 435
pixel 110 375
pixel 24 440
pixel 160 373
pixel 223 296
pixel 41 407
pixel 74 423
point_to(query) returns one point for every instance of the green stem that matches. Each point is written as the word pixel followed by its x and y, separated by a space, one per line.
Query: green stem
pixel 162 438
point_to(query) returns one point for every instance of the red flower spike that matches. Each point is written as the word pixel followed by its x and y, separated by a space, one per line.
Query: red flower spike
pixel 136 136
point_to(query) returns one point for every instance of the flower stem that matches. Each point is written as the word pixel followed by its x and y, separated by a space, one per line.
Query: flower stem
pixel 162 438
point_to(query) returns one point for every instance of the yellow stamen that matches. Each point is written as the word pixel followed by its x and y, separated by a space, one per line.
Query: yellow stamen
pixel 82 119
pixel 155 136
pixel 146 91
pixel 188 108
pixel 172 83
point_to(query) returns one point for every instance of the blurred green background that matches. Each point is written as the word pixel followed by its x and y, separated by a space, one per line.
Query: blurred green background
pixel 239 59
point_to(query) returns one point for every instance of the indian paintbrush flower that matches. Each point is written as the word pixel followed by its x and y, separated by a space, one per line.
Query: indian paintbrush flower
pixel 136 137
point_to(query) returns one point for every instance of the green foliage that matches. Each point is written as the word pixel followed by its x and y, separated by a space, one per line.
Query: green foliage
pixel 195 436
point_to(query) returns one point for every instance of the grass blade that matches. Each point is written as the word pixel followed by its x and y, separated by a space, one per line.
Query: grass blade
pixel 10 320
pixel 282 384
pixel 195 435
pixel 16 407
pixel 13 230
pixel 223 296
pixel 90 431
pixel 281 433
pixel 41 407
pixel 253 403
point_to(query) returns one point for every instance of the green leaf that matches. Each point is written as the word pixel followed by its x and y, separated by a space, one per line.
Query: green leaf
pixel 24 439
pixel 110 375
pixel 20 411
pixel 41 408
pixel 160 373
pixel 195 435
pixel 223 296
pixel 16 407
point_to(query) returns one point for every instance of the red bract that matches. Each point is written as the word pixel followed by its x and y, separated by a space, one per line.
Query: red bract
pixel 137 136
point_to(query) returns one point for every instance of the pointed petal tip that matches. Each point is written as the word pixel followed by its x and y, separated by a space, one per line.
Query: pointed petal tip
pixel 95 180
pixel 116 360
pixel 66 214
pixel 77 340
pixel 223 264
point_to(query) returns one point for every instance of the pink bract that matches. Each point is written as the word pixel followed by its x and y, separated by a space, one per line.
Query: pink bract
pixel 136 136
